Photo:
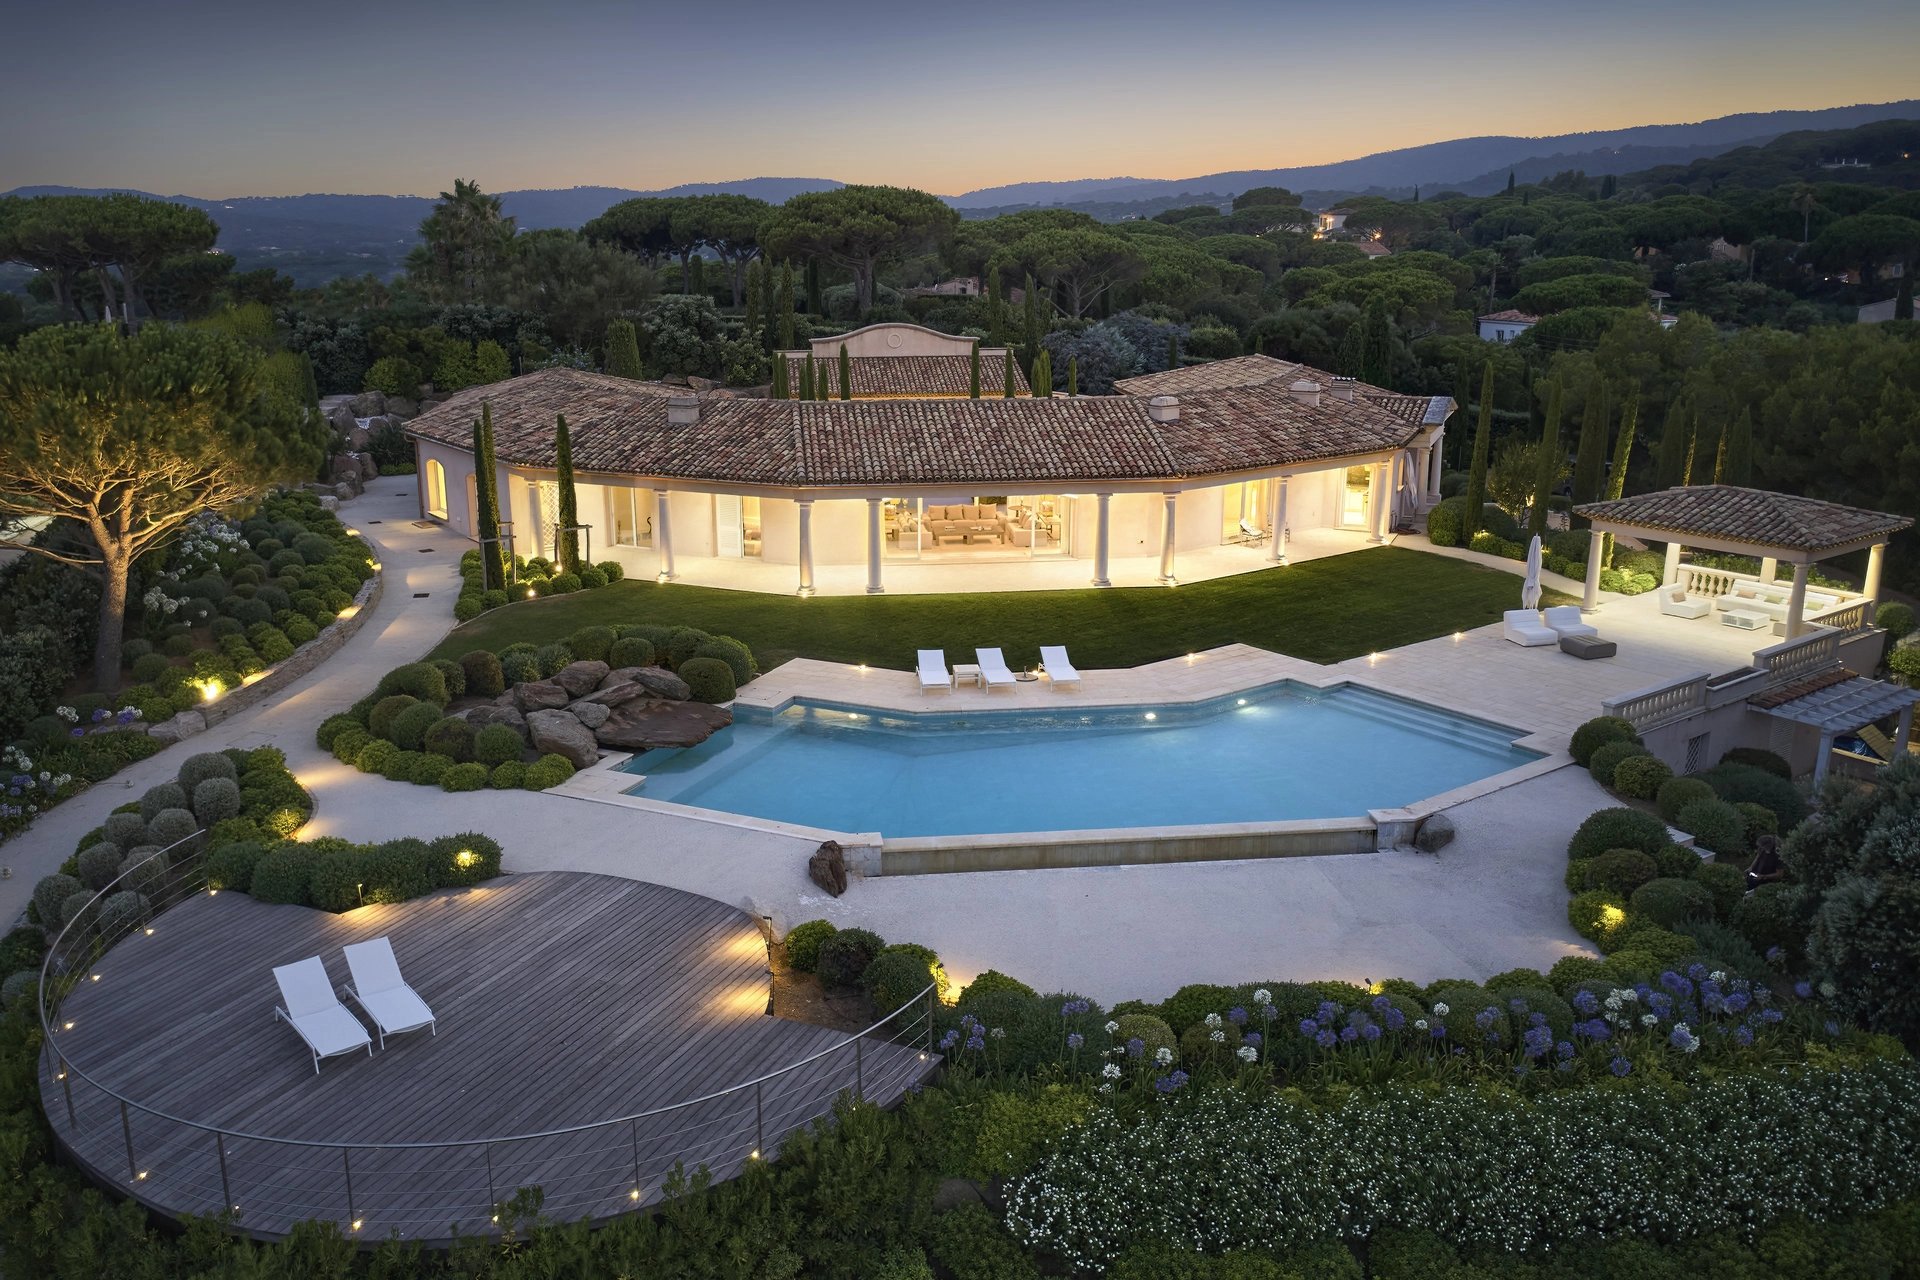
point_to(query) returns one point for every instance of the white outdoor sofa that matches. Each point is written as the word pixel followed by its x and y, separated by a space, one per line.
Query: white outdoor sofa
pixel 1772 600
pixel 1060 671
pixel 932 668
pixel 378 988
pixel 1676 603
pixel 1523 627
pixel 993 669
pixel 316 1014
pixel 1564 620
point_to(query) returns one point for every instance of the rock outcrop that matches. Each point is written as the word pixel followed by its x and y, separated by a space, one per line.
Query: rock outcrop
pixel 540 695
pixel 561 733
pixel 580 678
pixel 644 723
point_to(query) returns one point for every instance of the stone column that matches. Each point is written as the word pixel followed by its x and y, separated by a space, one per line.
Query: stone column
pixel 1903 736
pixel 1167 529
pixel 806 547
pixel 1797 605
pixel 1437 464
pixel 1591 601
pixel 1277 552
pixel 1422 466
pixel 1870 586
pixel 1821 761
pixel 1102 530
pixel 1382 518
pixel 1769 569
pixel 1670 572
pixel 663 534
pixel 874 536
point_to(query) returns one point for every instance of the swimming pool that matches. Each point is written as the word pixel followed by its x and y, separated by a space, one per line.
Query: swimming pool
pixel 1282 751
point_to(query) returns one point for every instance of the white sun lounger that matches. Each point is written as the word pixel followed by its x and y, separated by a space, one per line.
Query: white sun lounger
pixel 1053 660
pixel 1564 620
pixel 316 1014
pixel 993 669
pixel 933 670
pixel 378 988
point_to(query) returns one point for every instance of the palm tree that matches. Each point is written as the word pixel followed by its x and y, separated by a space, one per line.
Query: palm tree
pixel 465 242
pixel 1803 202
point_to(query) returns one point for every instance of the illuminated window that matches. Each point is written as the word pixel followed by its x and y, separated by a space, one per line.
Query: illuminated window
pixel 436 489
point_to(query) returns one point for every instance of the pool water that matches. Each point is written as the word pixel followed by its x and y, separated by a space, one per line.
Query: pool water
pixel 1280 752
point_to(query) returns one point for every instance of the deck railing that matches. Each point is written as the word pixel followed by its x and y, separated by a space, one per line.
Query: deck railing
pixel 1845 620
pixel 1662 704
pixel 427 1190
pixel 1700 581
pixel 1799 658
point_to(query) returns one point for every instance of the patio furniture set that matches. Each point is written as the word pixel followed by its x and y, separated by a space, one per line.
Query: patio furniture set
pixel 989 669
pixel 1560 625
pixel 315 1013
pixel 966 523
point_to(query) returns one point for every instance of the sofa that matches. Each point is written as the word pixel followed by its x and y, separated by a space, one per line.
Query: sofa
pixel 1675 603
pixel 1523 627
pixel 965 522
pixel 1772 600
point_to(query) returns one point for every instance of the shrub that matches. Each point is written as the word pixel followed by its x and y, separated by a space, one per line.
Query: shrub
pixel 464 777
pixel 737 656
pixel 177 646
pixel 385 711
pixel 1620 870
pixel 844 956
pixel 171 826
pixel 1467 1003
pixel 454 674
pixel 399 870
pixel 652 632
pixel 590 644
pixel 1608 757
pixel 411 725
pixel 992 982
pixel 1895 619
pixel 1744 783
pixel 144 869
pixel 230 866
pixel 1598 914
pixel 167 795
pixel 121 912
pixel 564 583
pixel 1669 902
pixel 215 800
pixel 275 647
pixel 373 757
pixel 972 1245
pixel 465 858
pixel 451 737
pixel 611 570
pixel 283 874
pixel 1640 777
pixel 125 829
pixel 497 744
pixel 399 766
pixel 708 679
pixel 150 667
pixel 421 679
pixel 20 989
pixel 899 973
pixel 509 775
pixel 1715 825
pixel 483 675
pixel 347 744
pixel 1759 820
pixel 683 643
pixel 548 771
pixel 98 864
pixel 467 607
pixel 1446 522
pixel 1596 733
pixel 49 893
pixel 428 769
pixel 1153 1033
pixel 1726 882
pixel 1772 916
pixel 552 657
pixel 336 874
pixel 1760 758
pixel 519 668
pixel 803 943
pixel 1618 828
pixel 1678 794
pixel 332 727
pixel 630 651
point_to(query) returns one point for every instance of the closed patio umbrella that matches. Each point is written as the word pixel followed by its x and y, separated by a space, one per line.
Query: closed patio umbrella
pixel 1530 590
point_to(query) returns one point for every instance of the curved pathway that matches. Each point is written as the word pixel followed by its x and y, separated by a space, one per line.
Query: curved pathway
pixel 1492 901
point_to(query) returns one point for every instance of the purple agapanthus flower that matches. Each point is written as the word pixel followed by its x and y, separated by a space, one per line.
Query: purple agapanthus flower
pixel 1370 1032
pixel 1136 1047
pixel 1170 1082
pixel 1349 1034
pixel 1073 1007
pixel 1075 1040
pixel 1237 1016
pixel 1253 1038
pixel 1619 1066
pixel 1308 1027
pixel 1326 1039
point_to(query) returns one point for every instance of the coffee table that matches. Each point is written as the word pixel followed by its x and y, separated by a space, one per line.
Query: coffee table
pixel 1588 648
pixel 966 673
pixel 1745 619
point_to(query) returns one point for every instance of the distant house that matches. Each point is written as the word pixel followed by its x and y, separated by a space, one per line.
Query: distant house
pixel 1371 247
pixel 1878 312
pixel 1505 326
pixel 1328 221
pixel 962 287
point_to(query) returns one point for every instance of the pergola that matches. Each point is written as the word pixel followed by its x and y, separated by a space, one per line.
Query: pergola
pixel 1775 527
pixel 1842 702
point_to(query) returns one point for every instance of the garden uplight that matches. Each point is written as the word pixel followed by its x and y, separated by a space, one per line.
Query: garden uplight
pixel 1611 916
pixel 465 858
pixel 209 689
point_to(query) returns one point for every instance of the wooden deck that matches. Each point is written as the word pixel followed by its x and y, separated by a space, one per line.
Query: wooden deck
pixel 563 1000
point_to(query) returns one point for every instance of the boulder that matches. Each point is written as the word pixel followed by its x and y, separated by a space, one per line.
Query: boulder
pixel 662 683
pixel 357 438
pixel 368 404
pixel 828 868
pixel 591 714
pixel 1435 834
pixel 345 469
pixel 401 407
pixel 619 675
pixel 183 725
pixel 329 502
pixel 489 713
pixel 539 695
pixel 612 695
pixel 559 733
pixel 346 492
pixel 645 723
pixel 341 417
pixel 579 678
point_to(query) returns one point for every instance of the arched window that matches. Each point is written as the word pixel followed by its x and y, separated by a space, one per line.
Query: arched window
pixel 436 489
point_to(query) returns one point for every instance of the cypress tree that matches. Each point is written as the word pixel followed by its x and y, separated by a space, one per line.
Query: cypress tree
pixel 1739 450
pixel 1351 354
pixel 1720 456
pixel 1031 300
pixel 1509 182
pixel 846 373
pixel 814 304
pixel 1377 352
pixel 1670 464
pixel 1693 446
pixel 996 311
pixel 973 372
pixel 697 276
pixel 751 322
pixel 806 378
pixel 786 306
pixel 1552 454
pixel 1033 375
pixel 1008 390
pixel 1622 455
pixel 1903 298
pixel 568 542
pixel 492 568
pixel 1073 375
pixel 1477 474
pixel 1462 401
pixel 770 307
pixel 623 349
pixel 1590 458
pixel 782 387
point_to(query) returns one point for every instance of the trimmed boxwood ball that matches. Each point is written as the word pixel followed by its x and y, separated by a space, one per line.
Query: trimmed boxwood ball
pixel 1617 828
pixel 654 633
pixel 453 674
pixel 895 977
pixel 149 667
pixel 552 657
pixel 1678 794
pixel 451 737
pixel 548 771
pixel 171 826
pixel 630 651
pixel 1598 914
pixel 1596 733
pixel 421 679
pixel 464 777
pixel 1744 783
pixel 509 775
pixel 1726 882
pixel 122 912
pixel 737 656
pixel 168 795
pixel 53 890
pixel 592 579
pixel 1465 1002
pixel 1771 916
pixel 337 874
pixel 1760 758
pixel 20 989
pixel 519 668
pixel 332 727
pixel 429 769
pixel 411 725
pixel 708 679
pixel 994 982
pixel 465 858
pixel 497 744
pixel 467 608
pixel 373 757
pixel 1895 619
pixel 1760 820
pixel 347 743
pixel 565 583
pixel 613 572
pixel 398 870
pixel 98 864
pixel 844 957
pixel 590 644
pixel 1620 870
pixel 482 671
pixel 683 643
pixel 803 943
pixel 1153 1034
pixel 1640 777
pixel 230 866
pixel 216 800
pixel 1608 756
pixel 1716 825
pixel 125 830
pixel 1670 902
pixel 1676 860
pixel 399 766
pixel 380 719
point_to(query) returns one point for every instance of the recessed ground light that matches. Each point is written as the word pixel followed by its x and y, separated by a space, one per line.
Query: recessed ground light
pixel 425 550
pixel 421 595
pixel 376 522
pixel 1151 716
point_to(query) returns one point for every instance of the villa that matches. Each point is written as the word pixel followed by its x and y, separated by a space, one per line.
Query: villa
pixel 1238 454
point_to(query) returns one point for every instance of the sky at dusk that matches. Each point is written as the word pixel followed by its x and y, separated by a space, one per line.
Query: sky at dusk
pixel 221 98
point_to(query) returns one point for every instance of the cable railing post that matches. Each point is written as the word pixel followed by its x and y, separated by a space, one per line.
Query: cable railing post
pixel 126 1131
pixel 66 1087
pixel 931 997
pixel 492 1199
pixel 859 1068
pixel 633 1133
pixel 220 1149
pixel 759 1122
pixel 346 1167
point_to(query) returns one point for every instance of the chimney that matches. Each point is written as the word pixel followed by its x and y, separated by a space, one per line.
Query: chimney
pixel 1343 389
pixel 1305 391
pixel 1164 409
pixel 683 411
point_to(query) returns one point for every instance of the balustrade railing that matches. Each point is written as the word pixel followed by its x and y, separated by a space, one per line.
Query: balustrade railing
pixel 1799 658
pixel 1661 704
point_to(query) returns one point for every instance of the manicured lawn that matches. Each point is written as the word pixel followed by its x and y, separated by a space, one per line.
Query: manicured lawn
pixel 1324 611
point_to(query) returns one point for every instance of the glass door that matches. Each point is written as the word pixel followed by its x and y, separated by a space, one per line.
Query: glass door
pixel 1356 498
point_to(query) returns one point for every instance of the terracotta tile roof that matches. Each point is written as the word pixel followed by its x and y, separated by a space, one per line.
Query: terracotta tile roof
pixel 1728 512
pixel 1252 371
pixel 914 375
pixel 621 427
pixel 1511 316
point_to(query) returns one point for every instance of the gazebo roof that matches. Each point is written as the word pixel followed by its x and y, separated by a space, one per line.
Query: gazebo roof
pixel 1843 705
pixel 1728 513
